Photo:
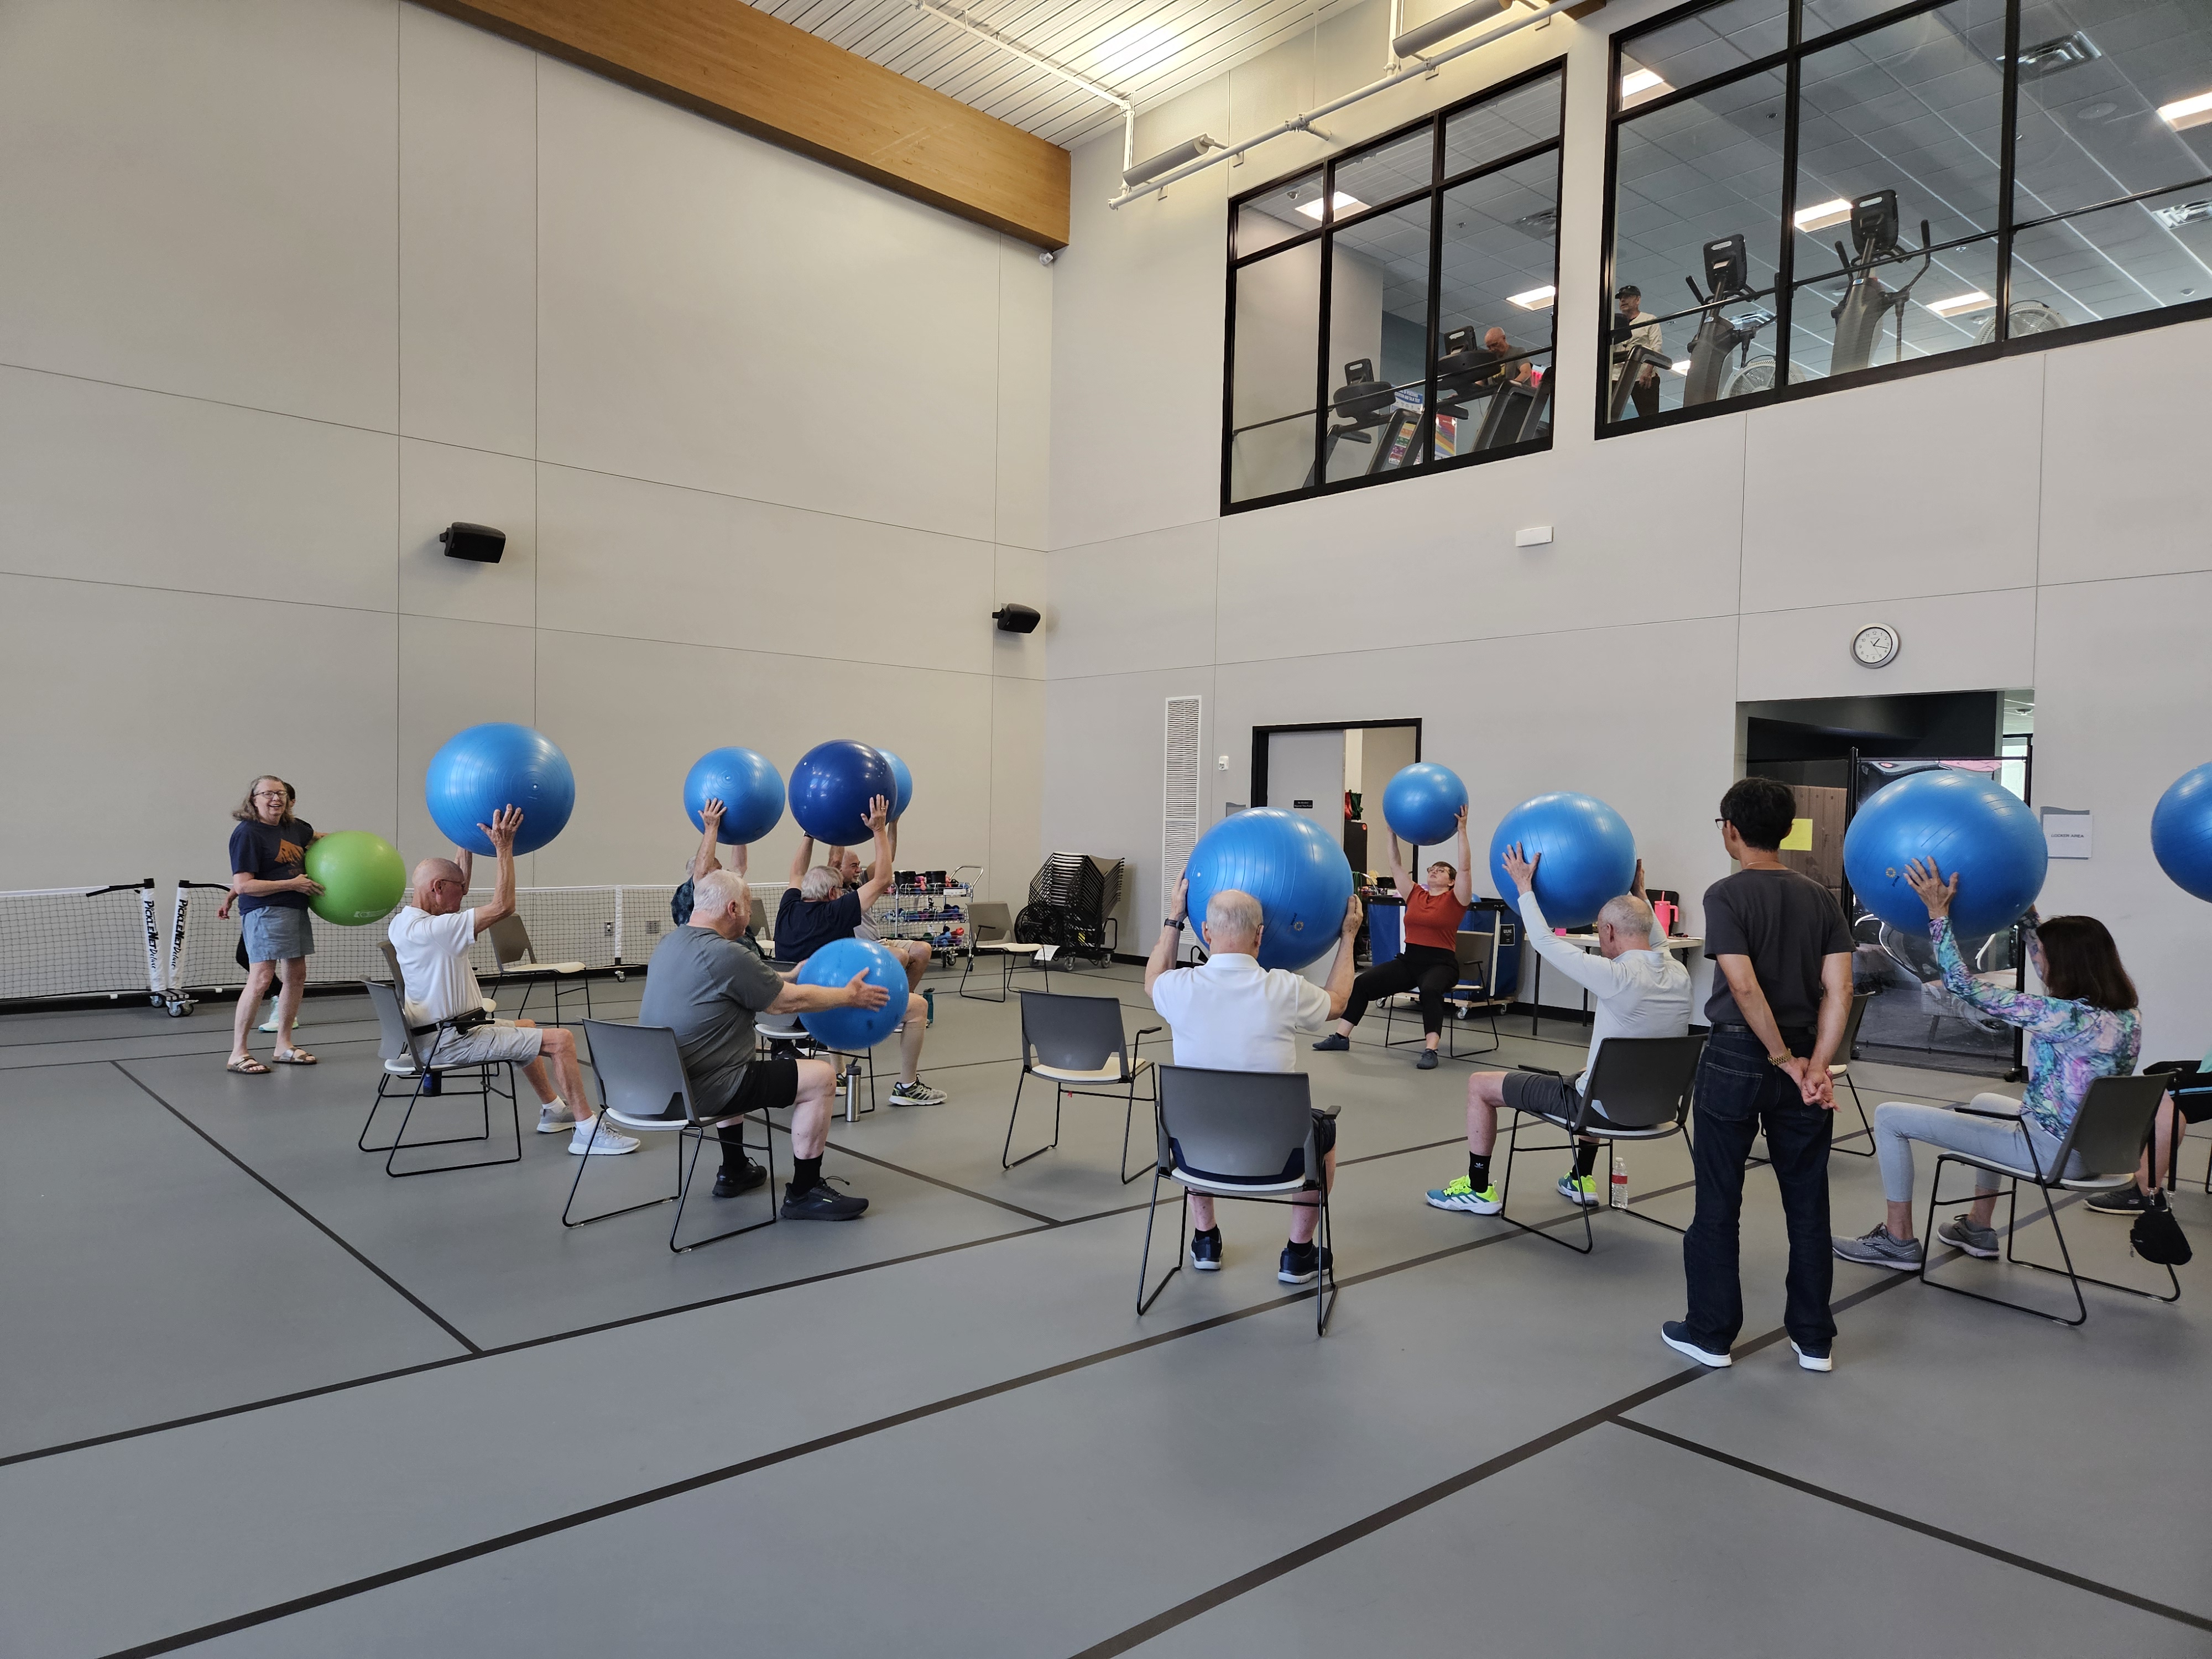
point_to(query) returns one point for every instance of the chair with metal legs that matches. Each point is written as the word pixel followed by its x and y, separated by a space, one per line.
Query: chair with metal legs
pixel 1840 1071
pixel 1236 1134
pixel 990 933
pixel 643 1086
pixel 2108 1134
pixel 517 959
pixel 1077 1044
pixel 1638 1089
pixel 405 1051
pixel 2191 1089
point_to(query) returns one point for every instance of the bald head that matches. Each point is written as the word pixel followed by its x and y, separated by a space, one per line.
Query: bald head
pixel 1232 923
pixel 439 886
pixel 1625 924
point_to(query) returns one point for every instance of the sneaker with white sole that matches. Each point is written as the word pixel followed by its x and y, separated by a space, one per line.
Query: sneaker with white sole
pixel 550 1123
pixel 607 1143
pixel 917 1093
pixel 1879 1249
pixel 1676 1335
pixel 1459 1194
pixel 1960 1233
pixel 1205 1250
pixel 1812 1362
pixel 1580 1189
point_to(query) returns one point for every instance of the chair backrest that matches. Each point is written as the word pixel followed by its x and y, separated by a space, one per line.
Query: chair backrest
pixel 757 924
pixel 1641 1083
pixel 1239 1129
pixel 990 920
pixel 510 941
pixel 393 1041
pixel 640 1072
pixel 2110 1130
pixel 392 964
pixel 1847 1050
pixel 1077 1033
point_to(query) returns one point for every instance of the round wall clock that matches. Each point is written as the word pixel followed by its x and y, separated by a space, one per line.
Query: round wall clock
pixel 1875 646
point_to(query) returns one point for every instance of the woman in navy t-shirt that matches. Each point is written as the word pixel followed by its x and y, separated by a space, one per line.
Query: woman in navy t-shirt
pixel 269 884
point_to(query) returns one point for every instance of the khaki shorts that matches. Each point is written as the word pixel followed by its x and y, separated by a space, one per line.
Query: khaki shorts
pixel 488 1045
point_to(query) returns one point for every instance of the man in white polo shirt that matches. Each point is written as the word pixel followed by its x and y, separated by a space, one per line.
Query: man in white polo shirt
pixel 1640 991
pixel 1232 1015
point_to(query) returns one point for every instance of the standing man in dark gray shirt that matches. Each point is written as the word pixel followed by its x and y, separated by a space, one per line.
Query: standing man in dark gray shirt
pixel 706 986
pixel 1782 986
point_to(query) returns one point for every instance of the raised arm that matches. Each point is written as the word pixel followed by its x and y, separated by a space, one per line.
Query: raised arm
pixel 2043 1016
pixel 501 830
pixel 1344 968
pixel 1398 876
pixel 1169 945
pixel 801 859
pixel 879 811
pixel 467 861
pixel 1463 889
pixel 710 837
pixel 1636 890
pixel 1585 967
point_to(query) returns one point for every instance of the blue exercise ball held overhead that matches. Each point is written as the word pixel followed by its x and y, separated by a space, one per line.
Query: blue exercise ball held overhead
pixel 487 767
pixel 1300 877
pixel 1582 850
pixel 902 782
pixel 747 784
pixel 2181 832
pixel 1970 826
pixel 855 1031
pixel 1421 804
pixel 832 785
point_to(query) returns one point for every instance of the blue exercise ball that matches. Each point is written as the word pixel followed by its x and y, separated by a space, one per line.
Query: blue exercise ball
pixel 487 767
pixel 1300 877
pixel 832 785
pixel 1588 854
pixel 854 1029
pixel 2181 832
pixel 901 780
pixel 1971 825
pixel 747 784
pixel 1421 804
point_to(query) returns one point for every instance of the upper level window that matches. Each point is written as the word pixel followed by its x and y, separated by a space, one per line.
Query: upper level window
pixel 1391 311
pixel 1803 191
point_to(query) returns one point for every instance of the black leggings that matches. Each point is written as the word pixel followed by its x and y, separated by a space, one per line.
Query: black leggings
pixel 1420 967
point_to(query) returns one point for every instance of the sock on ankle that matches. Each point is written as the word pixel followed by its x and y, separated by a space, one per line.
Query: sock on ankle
pixel 556 1106
pixel 1214 1231
pixel 806 1173
pixel 1585 1157
pixel 1477 1171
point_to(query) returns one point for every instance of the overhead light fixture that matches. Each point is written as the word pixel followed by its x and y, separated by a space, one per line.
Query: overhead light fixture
pixel 1823 215
pixel 1169 160
pixel 2187 111
pixel 1458 21
pixel 1959 304
pixel 1537 299
pixel 1342 203
pixel 2067 52
pixel 1639 80
pixel 1681 367
pixel 2183 213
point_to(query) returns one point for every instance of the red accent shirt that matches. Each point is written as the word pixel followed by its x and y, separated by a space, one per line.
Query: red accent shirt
pixel 1433 919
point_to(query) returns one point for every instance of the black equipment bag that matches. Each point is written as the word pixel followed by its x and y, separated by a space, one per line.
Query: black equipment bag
pixel 2157 1236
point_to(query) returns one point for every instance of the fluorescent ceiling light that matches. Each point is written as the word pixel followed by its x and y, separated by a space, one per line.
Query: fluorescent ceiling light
pixel 1343 205
pixel 1642 80
pixel 1682 368
pixel 1959 303
pixel 2187 111
pixel 1821 217
pixel 1535 300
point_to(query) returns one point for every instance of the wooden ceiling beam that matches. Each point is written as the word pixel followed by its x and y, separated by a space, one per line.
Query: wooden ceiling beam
pixel 731 62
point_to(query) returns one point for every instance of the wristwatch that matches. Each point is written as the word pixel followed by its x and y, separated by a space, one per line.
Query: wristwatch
pixel 1175 922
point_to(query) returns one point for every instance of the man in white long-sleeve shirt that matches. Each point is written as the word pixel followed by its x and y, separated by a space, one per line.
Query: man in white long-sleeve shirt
pixel 1639 990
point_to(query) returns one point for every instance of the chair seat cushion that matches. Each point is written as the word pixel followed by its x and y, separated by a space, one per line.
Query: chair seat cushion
pixel 1609 1131
pixel 1199 1183
pixel 2095 1183
pixel 526 969
pixel 1108 1074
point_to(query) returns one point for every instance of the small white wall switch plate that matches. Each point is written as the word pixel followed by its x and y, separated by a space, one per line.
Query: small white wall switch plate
pixel 1221 763
pixel 1536 535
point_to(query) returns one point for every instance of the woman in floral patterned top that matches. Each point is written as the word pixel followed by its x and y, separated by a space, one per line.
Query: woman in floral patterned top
pixel 2085 1028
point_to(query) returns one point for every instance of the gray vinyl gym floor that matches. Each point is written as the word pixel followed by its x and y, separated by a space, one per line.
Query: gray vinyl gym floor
pixel 258 1399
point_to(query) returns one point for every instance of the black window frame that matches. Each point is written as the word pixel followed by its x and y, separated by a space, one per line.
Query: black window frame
pixel 1788 61
pixel 1323 232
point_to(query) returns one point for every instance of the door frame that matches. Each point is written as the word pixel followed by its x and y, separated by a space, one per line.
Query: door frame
pixel 1262 733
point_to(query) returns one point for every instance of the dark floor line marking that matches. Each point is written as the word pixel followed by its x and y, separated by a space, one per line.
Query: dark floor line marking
pixel 1160 1623
pixel 935 1181
pixel 307 1216
pixel 1926 1530
pixel 769 1460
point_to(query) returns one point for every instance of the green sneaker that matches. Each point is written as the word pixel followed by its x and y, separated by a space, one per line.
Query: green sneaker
pixel 1462 1195
pixel 1580 1189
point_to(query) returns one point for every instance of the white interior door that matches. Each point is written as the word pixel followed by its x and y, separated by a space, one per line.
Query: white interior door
pixel 1305 776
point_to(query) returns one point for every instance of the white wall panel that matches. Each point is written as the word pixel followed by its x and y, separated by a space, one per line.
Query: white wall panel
pixel 468 210
pixel 1023 518
pixel 1959 643
pixel 105 484
pixel 439 484
pixel 1018 736
pixel 201 198
pixel 1143 602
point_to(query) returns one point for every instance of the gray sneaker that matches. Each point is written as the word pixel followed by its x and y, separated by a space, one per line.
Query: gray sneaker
pixel 1961 1234
pixel 1878 1250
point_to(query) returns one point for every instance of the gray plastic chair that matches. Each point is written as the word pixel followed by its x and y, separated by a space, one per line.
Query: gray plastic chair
pixel 1638 1089
pixel 1074 1042
pixel 406 1053
pixel 1236 1134
pixel 518 960
pixel 643 1086
pixel 2108 1134
pixel 991 933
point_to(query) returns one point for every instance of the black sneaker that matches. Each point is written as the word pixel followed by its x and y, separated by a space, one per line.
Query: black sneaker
pixel 822 1203
pixel 742 1179
pixel 1205 1250
pixel 1301 1264
pixel 1427 1062
pixel 2121 1200
pixel 1334 1043
pixel 1676 1335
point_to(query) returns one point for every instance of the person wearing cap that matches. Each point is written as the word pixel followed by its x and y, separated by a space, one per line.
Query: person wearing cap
pixel 1634 327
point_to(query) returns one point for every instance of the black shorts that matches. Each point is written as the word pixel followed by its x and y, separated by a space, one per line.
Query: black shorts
pixel 1553 1097
pixel 768 1083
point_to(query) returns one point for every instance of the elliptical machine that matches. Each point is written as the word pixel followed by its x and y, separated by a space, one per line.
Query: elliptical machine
pixel 1858 316
pixel 1727 276
pixel 1365 404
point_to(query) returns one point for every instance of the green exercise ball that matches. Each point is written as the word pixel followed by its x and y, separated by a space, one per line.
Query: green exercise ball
pixel 361 875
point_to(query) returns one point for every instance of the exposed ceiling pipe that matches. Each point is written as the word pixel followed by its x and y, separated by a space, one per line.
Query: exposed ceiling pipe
pixel 958 17
pixel 1304 123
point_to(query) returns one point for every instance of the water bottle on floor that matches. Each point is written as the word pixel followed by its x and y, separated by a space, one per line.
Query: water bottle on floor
pixel 1618 1197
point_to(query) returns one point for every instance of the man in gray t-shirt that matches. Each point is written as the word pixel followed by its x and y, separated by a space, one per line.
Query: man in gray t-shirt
pixel 706 986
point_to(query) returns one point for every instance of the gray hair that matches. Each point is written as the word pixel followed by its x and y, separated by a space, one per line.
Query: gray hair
pixel 1628 914
pixel 1233 914
pixel 821 883
pixel 722 890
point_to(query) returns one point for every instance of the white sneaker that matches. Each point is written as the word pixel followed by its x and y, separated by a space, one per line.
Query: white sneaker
pixel 606 1143
pixel 1812 1362
pixel 268 1025
pixel 551 1124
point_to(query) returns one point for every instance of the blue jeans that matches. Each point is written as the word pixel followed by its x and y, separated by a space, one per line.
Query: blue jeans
pixel 1738 1095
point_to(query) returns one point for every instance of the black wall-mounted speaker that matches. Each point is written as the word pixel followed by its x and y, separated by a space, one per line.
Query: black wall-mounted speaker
pixel 477 542
pixel 1016 619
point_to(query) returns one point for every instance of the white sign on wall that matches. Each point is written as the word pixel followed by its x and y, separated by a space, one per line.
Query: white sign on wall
pixel 2066 832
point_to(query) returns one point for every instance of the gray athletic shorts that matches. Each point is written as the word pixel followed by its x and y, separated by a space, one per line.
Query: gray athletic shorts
pixel 1554 1097
pixel 488 1044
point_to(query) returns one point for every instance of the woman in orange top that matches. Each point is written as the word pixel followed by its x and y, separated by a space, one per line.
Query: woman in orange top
pixel 1429 962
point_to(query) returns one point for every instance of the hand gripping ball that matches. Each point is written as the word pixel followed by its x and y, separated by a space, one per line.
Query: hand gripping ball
pixel 855 1031
pixel 487 767
pixel 749 788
